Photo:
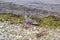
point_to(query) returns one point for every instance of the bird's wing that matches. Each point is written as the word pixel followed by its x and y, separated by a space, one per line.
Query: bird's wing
pixel 35 22
pixel 28 20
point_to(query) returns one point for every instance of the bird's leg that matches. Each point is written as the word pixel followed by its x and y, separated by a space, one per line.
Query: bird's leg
pixel 26 26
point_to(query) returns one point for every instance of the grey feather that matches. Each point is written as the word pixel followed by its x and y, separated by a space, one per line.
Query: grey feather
pixel 30 21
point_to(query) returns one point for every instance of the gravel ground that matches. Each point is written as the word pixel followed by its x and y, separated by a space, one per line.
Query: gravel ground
pixel 19 31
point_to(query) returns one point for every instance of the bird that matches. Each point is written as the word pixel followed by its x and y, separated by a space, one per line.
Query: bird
pixel 30 21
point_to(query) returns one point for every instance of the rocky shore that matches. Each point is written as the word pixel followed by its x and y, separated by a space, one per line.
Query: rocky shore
pixel 18 31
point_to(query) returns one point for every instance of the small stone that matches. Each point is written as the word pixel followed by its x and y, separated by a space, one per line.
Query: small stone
pixel 11 22
pixel 2 39
pixel 43 31
pixel 39 34
pixel 6 19
pixel 0 19
pixel 1 26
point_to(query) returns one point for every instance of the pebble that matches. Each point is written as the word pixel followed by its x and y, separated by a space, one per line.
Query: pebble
pixel 24 33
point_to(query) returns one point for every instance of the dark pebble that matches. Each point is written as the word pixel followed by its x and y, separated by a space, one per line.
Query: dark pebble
pixel 11 23
pixel 0 19
pixel 39 34
pixel 2 39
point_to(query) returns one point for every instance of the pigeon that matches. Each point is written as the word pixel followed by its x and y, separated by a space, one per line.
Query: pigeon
pixel 30 21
